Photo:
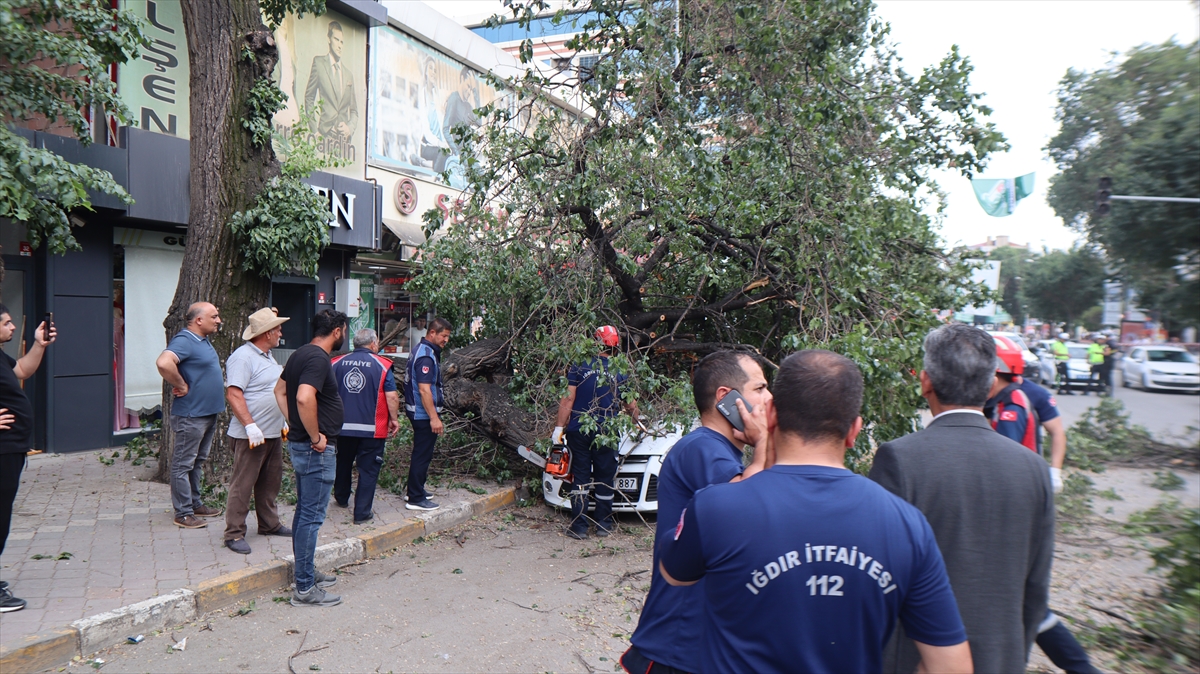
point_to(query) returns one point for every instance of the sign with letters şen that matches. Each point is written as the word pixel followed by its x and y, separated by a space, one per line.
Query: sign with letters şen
pixel 155 85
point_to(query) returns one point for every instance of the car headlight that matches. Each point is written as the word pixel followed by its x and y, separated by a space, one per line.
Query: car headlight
pixel 1153 371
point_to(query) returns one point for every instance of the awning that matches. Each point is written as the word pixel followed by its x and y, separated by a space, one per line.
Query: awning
pixel 408 232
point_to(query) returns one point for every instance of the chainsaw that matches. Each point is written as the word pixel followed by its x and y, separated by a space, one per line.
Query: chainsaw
pixel 559 463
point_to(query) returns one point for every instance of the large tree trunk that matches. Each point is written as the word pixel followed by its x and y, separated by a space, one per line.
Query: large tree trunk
pixel 227 172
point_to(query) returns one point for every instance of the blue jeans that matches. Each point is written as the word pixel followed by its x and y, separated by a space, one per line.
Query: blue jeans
pixel 368 454
pixel 314 478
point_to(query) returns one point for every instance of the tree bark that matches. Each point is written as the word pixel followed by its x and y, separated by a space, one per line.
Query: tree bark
pixel 227 173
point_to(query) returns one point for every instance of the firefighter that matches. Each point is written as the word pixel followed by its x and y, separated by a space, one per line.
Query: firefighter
pixel 1008 408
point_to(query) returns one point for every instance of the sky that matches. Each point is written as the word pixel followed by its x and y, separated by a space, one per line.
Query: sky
pixel 1020 50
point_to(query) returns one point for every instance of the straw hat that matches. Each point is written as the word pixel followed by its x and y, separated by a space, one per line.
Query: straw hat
pixel 261 321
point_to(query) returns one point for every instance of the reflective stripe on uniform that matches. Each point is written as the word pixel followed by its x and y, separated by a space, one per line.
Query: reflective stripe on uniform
pixel 369 428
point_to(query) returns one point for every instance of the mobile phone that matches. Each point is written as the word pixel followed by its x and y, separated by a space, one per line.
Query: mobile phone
pixel 48 319
pixel 727 406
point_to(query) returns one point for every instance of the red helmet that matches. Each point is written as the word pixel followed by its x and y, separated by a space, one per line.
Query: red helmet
pixel 608 335
pixel 1009 359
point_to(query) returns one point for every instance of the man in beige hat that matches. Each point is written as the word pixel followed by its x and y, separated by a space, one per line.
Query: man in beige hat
pixel 255 431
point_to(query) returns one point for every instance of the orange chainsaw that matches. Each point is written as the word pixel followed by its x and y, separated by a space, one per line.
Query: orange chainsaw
pixel 558 465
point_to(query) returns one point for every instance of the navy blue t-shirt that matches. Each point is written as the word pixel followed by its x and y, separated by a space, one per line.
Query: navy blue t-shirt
pixel 599 399
pixel 671 628
pixel 201 370
pixel 1044 405
pixel 806 569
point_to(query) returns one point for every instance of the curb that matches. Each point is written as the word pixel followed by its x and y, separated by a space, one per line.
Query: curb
pixel 57 647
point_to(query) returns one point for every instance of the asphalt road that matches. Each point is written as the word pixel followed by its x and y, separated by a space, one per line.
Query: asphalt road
pixel 1166 414
pixel 504 593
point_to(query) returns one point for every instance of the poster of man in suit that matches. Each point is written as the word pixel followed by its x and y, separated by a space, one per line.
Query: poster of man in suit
pixel 323 63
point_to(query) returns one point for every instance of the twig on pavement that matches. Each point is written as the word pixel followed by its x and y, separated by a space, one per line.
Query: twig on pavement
pixel 526 607
pixel 300 652
pixel 591 670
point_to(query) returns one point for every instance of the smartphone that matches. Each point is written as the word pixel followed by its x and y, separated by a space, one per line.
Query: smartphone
pixel 48 319
pixel 727 406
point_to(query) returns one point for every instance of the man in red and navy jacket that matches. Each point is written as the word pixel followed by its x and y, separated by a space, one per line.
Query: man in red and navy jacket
pixel 372 405
pixel 1008 408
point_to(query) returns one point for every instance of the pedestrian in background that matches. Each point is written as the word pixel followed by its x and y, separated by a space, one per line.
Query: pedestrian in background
pixel 988 499
pixel 309 392
pixel 16 428
pixel 423 404
pixel 191 367
pixel 255 431
pixel 806 565
pixel 1062 356
pixel 372 407
pixel 670 633
pixel 1095 355
pixel 592 390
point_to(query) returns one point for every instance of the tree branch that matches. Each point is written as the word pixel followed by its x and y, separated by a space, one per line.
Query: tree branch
pixel 594 230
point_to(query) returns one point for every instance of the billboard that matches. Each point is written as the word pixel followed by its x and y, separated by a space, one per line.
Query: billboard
pixel 419 95
pixel 155 85
pixel 323 60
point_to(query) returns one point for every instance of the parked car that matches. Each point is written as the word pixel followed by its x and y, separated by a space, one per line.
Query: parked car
pixel 1161 367
pixel 1046 366
pixel 1033 369
pixel 640 458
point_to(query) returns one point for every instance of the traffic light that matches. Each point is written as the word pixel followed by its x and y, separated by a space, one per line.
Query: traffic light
pixel 1102 197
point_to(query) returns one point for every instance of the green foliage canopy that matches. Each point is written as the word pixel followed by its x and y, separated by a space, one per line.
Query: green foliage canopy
pixel 749 177
pixel 1061 285
pixel 1138 122
pixel 54 61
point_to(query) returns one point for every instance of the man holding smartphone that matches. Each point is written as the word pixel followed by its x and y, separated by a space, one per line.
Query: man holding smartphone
pixel 16 428
pixel 670 632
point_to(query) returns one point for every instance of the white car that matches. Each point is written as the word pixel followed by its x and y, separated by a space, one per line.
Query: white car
pixel 639 458
pixel 1033 369
pixel 1079 371
pixel 1161 367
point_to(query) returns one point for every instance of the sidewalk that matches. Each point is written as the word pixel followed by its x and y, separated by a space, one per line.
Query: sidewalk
pixel 124 548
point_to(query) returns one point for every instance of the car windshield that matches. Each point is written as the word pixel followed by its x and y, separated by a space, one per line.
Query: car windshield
pixel 1172 356
pixel 1079 352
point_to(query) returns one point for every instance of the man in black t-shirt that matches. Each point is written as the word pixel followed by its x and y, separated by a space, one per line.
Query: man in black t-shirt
pixel 308 391
pixel 16 428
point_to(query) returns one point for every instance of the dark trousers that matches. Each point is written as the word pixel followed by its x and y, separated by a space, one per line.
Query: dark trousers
pixel 592 465
pixel 1064 651
pixel 418 469
pixel 636 662
pixel 258 470
pixel 11 466
pixel 1096 383
pixel 368 454
pixel 1064 380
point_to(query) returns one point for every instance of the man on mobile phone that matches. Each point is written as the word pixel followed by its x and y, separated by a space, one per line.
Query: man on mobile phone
pixel 16 428
pixel 669 634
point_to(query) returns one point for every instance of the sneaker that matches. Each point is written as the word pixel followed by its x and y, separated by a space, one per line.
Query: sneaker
pixel 8 602
pixel 315 597
pixel 577 535
pixel 324 580
pixel 283 530
pixel 603 532
pixel 239 546
pixel 422 505
pixel 189 522
pixel 3 585
pixel 366 519
pixel 205 511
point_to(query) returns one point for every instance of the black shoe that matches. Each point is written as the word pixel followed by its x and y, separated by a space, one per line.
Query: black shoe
pixel 283 530
pixel 602 531
pixel 577 535
pixel 3 585
pixel 366 519
pixel 340 504
pixel 8 602
pixel 422 505
pixel 239 546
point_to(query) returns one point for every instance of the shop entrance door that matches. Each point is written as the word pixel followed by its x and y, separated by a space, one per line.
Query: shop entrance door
pixel 298 302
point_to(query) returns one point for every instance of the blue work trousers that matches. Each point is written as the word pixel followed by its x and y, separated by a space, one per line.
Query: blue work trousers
pixel 368 454
pixel 314 478
pixel 594 466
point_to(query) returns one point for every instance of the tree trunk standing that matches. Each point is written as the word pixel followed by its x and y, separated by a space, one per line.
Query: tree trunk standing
pixel 227 172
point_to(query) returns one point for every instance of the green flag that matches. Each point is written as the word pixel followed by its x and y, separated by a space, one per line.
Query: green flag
pixel 999 197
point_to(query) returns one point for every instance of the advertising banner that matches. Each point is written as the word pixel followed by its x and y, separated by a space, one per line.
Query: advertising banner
pixel 323 60
pixel 419 95
pixel 155 85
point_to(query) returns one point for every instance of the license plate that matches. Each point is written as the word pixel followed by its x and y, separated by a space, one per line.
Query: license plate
pixel 627 484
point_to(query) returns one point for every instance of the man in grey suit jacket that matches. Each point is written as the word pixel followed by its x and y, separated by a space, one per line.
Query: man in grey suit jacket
pixel 988 499
pixel 331 77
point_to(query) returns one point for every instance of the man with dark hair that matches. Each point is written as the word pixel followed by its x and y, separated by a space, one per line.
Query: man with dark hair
pixel 988 499
pixel 16 428
pixel 592 391
pixel 191 366
pixel 308 391
pixel 372 405
pixel 808 545
pixel 670 631
pixel 423 404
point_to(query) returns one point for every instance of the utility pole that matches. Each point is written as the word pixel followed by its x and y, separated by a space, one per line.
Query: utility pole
pixel 1104 195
